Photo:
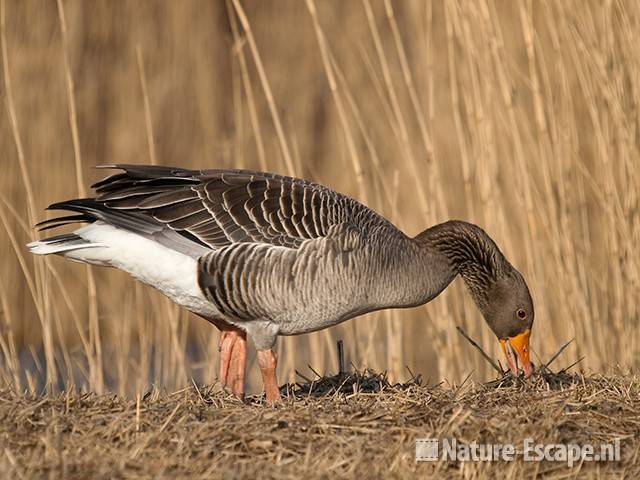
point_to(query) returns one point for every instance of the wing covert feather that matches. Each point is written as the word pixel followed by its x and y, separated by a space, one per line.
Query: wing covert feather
pixel 222 207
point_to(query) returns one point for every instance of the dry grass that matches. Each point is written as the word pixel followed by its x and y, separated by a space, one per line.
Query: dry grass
pixel 520 116
pixel 199 433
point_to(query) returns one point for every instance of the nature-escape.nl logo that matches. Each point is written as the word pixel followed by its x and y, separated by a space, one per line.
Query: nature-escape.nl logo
pixel 450 449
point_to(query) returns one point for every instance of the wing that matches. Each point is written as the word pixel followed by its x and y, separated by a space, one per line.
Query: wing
pixel 222 207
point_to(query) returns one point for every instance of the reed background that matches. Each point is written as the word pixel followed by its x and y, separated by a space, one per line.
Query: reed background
pixel 522 117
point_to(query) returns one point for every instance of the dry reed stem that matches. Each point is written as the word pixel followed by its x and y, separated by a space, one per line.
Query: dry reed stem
pixel 397 112
pixel 95 361
pixel 35 282
pixel 248 89
pixel 148 123
pixel 10 351
pixel 333 87
pixel 479 348
pixel 371 149
pixel 11 109
pixel 244 21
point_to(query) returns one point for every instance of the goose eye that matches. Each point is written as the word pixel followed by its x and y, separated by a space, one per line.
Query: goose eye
pixel 521 314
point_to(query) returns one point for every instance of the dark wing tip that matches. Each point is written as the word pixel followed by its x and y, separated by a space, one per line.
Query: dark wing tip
pixel 71 204
pixel 143 172
pixel 61 221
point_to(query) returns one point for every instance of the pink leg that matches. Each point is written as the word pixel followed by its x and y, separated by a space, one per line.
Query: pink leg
pixel 268 362
pixel 238 365
pixel 233 359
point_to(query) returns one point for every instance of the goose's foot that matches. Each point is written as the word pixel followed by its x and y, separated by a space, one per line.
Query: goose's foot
pixel 233 359
pixel 268 361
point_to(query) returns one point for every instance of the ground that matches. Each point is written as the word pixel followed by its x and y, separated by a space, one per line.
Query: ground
pixel 353 425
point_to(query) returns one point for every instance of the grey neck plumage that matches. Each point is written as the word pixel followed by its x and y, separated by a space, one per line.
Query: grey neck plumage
pixel 466 250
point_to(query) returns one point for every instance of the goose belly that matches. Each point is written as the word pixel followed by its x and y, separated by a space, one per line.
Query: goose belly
pixel 318 315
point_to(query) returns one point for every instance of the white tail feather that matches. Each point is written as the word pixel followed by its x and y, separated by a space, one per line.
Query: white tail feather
pixel 41 247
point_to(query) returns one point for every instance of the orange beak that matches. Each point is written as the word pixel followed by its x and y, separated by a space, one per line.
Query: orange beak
pixel 519 344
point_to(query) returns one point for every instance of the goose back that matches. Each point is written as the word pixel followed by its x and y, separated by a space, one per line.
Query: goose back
pixel 218 208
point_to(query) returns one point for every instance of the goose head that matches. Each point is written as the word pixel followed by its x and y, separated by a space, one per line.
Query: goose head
pixel 507 307
pixel 497 288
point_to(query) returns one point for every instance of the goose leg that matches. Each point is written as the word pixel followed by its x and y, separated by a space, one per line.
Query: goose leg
pixel 268 361
pixel 233 359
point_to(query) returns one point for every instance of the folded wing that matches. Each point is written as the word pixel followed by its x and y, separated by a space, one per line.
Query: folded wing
pixel 221 207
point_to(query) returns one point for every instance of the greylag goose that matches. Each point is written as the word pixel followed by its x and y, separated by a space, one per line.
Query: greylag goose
pixel 263 255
